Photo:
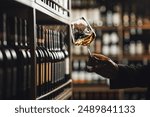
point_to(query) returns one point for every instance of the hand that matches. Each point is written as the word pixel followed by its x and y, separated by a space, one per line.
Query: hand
pixel 102 65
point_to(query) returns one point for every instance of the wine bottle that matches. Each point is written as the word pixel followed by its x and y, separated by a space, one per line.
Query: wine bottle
pixel 38 69
pixel 39 64
pixel 133 20
pixel 66 53
pixel 27 49
pixel 14 43
pixel 7 60
pixel 75 73
pixel 126 17
pixel 42 64
pixel 38 74
pixel 50 44
pixel 49 60
pixel 61 59
pixel 46 57
pixel 1 63
pixel 116 15
pixel 55 59
pixel 109 18
pixel 1 71
pixel 23 61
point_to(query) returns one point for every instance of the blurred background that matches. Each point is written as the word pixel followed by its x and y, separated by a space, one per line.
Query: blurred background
pixel 123 33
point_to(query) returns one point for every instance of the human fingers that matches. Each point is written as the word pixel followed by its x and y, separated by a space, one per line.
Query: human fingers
pixel 100 56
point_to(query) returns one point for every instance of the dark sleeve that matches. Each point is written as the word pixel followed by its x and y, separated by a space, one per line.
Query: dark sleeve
pixel 129 77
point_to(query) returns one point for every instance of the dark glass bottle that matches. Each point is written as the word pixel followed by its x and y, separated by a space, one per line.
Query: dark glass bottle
pixel 38 67
pixel 50 58
pixel 66 53
pixel 38 73
pixel 23 62
pixel 9 57
pixel 46 58
pixel 1 72
pixel 18 32
pixel 39 64
pixel 55 61
pixel 61 59
pixel 1 65
pixel 13 42
pixel 50 48
pixel 26 47
pixel 57 68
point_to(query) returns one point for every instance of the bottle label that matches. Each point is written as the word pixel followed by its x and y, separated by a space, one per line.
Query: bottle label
pixel 67 65
pixel 37 74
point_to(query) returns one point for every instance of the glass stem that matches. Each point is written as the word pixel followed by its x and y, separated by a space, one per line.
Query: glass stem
pixel 88 47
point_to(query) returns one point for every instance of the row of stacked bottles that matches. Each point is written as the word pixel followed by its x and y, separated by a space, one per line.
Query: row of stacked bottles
pixel 109 95
pixel 136 33
pixel 52 67
pixel 81 76
pixel 15 58
pixel 122 33
pixel 114 22
pixel 59 6
pixel 34 53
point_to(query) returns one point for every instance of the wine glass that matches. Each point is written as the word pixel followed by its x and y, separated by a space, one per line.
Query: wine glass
pixel 82 33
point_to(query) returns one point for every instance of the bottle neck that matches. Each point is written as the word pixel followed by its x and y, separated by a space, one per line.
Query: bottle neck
pixel 16 32
pixel 42 36
pixel 20 32
pixel 50 40
pixel 46 38
pixel 54 41
pixel 1 31
pixel 25 43
pixel 39 35
pixel 62 41
pixel 58 41
pixel 4 22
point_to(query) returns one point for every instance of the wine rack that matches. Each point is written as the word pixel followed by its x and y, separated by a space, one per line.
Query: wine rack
pixel 102 92
pixel 122 33
pixel 35 50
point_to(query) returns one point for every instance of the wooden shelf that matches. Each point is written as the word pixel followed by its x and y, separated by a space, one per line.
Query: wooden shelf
pixel 135 89
pixel 80 57
pixel 137 57
pixel 28 15
pixel 143 27
pixel 40 6
pixel 106 28
pixel 51 92
pixel 65 95
pixel 50 13
pixel 121 58
pixel 92 88
pixel 102 89
pixel 29 3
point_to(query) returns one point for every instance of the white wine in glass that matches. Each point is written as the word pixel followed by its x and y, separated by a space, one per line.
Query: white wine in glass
pixel 82 33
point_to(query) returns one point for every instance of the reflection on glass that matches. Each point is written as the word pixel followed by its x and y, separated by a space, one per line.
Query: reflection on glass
pixel 82 33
